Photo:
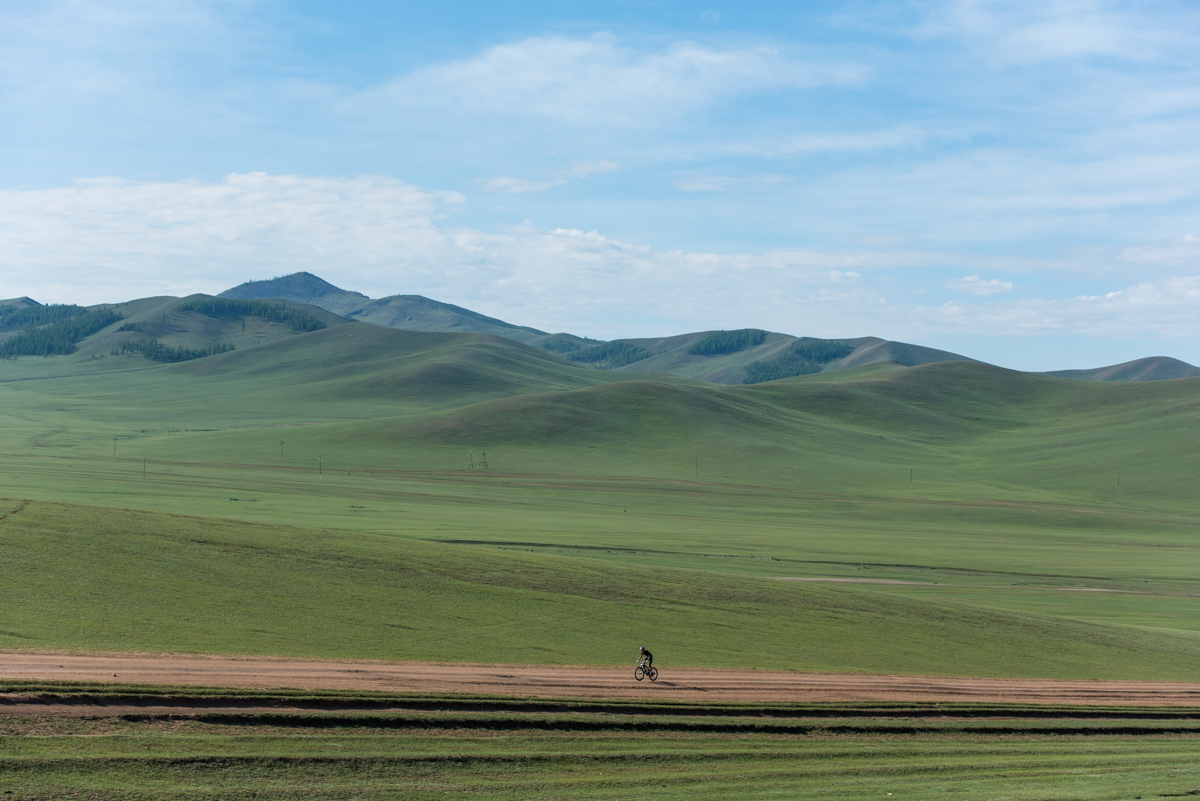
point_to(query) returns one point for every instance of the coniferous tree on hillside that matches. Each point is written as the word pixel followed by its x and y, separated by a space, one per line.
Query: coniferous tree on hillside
pixel 298 319
pixel 57 339
pixel 155 351
pixel 719 343
pixel 803 357
pixel 25 317
pixel 610 355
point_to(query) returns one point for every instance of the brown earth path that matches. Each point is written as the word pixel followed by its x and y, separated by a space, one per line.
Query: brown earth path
pixel 682 684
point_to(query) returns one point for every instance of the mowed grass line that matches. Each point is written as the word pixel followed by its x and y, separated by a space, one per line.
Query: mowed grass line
pixel 95 578
pixel 184 759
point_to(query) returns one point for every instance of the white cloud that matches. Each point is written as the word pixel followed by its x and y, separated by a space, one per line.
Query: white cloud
pixel 597 81
pixel 974 285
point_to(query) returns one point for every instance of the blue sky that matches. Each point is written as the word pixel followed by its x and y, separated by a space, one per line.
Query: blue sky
pixel 1019 182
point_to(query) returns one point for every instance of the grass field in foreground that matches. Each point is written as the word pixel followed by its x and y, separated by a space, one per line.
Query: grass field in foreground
pixel 95 578
pixel 559 754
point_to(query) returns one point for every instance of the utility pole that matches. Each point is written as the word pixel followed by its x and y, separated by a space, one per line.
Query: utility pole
pixel 320 468
pixel 280 449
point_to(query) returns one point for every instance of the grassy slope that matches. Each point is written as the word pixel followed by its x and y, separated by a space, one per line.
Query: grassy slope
pixel 1014 495
pixel 670 355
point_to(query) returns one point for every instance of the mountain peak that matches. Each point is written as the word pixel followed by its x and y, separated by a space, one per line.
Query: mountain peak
pixel 16 303
pixel 287 286
pixel 301 287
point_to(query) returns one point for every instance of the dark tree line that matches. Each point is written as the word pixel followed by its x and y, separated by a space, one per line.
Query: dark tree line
pixel 24 317
pixel 57 339
pixel 562 343
pixel 298 319
pixel 802 357
pixel 610 355
pixel 719 343
pixel 155 351
pixel 559 345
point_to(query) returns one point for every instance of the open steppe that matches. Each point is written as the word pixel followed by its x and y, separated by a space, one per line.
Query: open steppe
pixel 310 498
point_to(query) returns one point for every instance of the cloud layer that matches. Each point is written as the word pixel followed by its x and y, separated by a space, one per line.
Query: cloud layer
pixel 376 234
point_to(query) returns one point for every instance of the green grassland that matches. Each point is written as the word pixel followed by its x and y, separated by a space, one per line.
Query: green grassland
pixel 616 509
pixel 411 748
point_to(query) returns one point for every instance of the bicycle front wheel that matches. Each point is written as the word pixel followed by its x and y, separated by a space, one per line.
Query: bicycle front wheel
pixel 639 673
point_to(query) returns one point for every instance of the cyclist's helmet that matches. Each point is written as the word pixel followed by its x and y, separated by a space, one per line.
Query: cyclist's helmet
pixel 641 648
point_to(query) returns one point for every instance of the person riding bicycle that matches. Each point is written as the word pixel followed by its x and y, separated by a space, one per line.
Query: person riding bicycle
pixel 647 658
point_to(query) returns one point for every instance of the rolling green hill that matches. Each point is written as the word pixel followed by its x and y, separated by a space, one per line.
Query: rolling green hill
pixel 697 355
pixel 165 329
pixel 323 493
pixel 752 356
pixel 1155 368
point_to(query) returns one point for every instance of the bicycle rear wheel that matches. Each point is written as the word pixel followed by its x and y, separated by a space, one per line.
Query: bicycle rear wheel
pixel 652 673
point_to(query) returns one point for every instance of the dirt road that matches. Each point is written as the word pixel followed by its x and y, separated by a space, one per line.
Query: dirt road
pixel 581 682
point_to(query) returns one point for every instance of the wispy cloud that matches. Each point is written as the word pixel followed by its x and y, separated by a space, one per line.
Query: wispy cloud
pixel 974 285
pixel 1022 33
pixel 597 81
pixel 1169 309
pixel 725 183
pixel 577 171
pixel 519 186
pixel 582 169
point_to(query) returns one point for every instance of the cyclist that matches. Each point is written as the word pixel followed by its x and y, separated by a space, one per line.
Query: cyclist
pixel 647 658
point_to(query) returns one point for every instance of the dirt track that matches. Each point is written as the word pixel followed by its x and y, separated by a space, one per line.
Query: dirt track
pixel 582 682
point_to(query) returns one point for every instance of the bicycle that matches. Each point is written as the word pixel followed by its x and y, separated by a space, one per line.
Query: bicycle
pixel 645 671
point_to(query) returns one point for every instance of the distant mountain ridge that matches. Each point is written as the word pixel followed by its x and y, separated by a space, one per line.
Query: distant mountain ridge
pixel 257 312
pixel 770 355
